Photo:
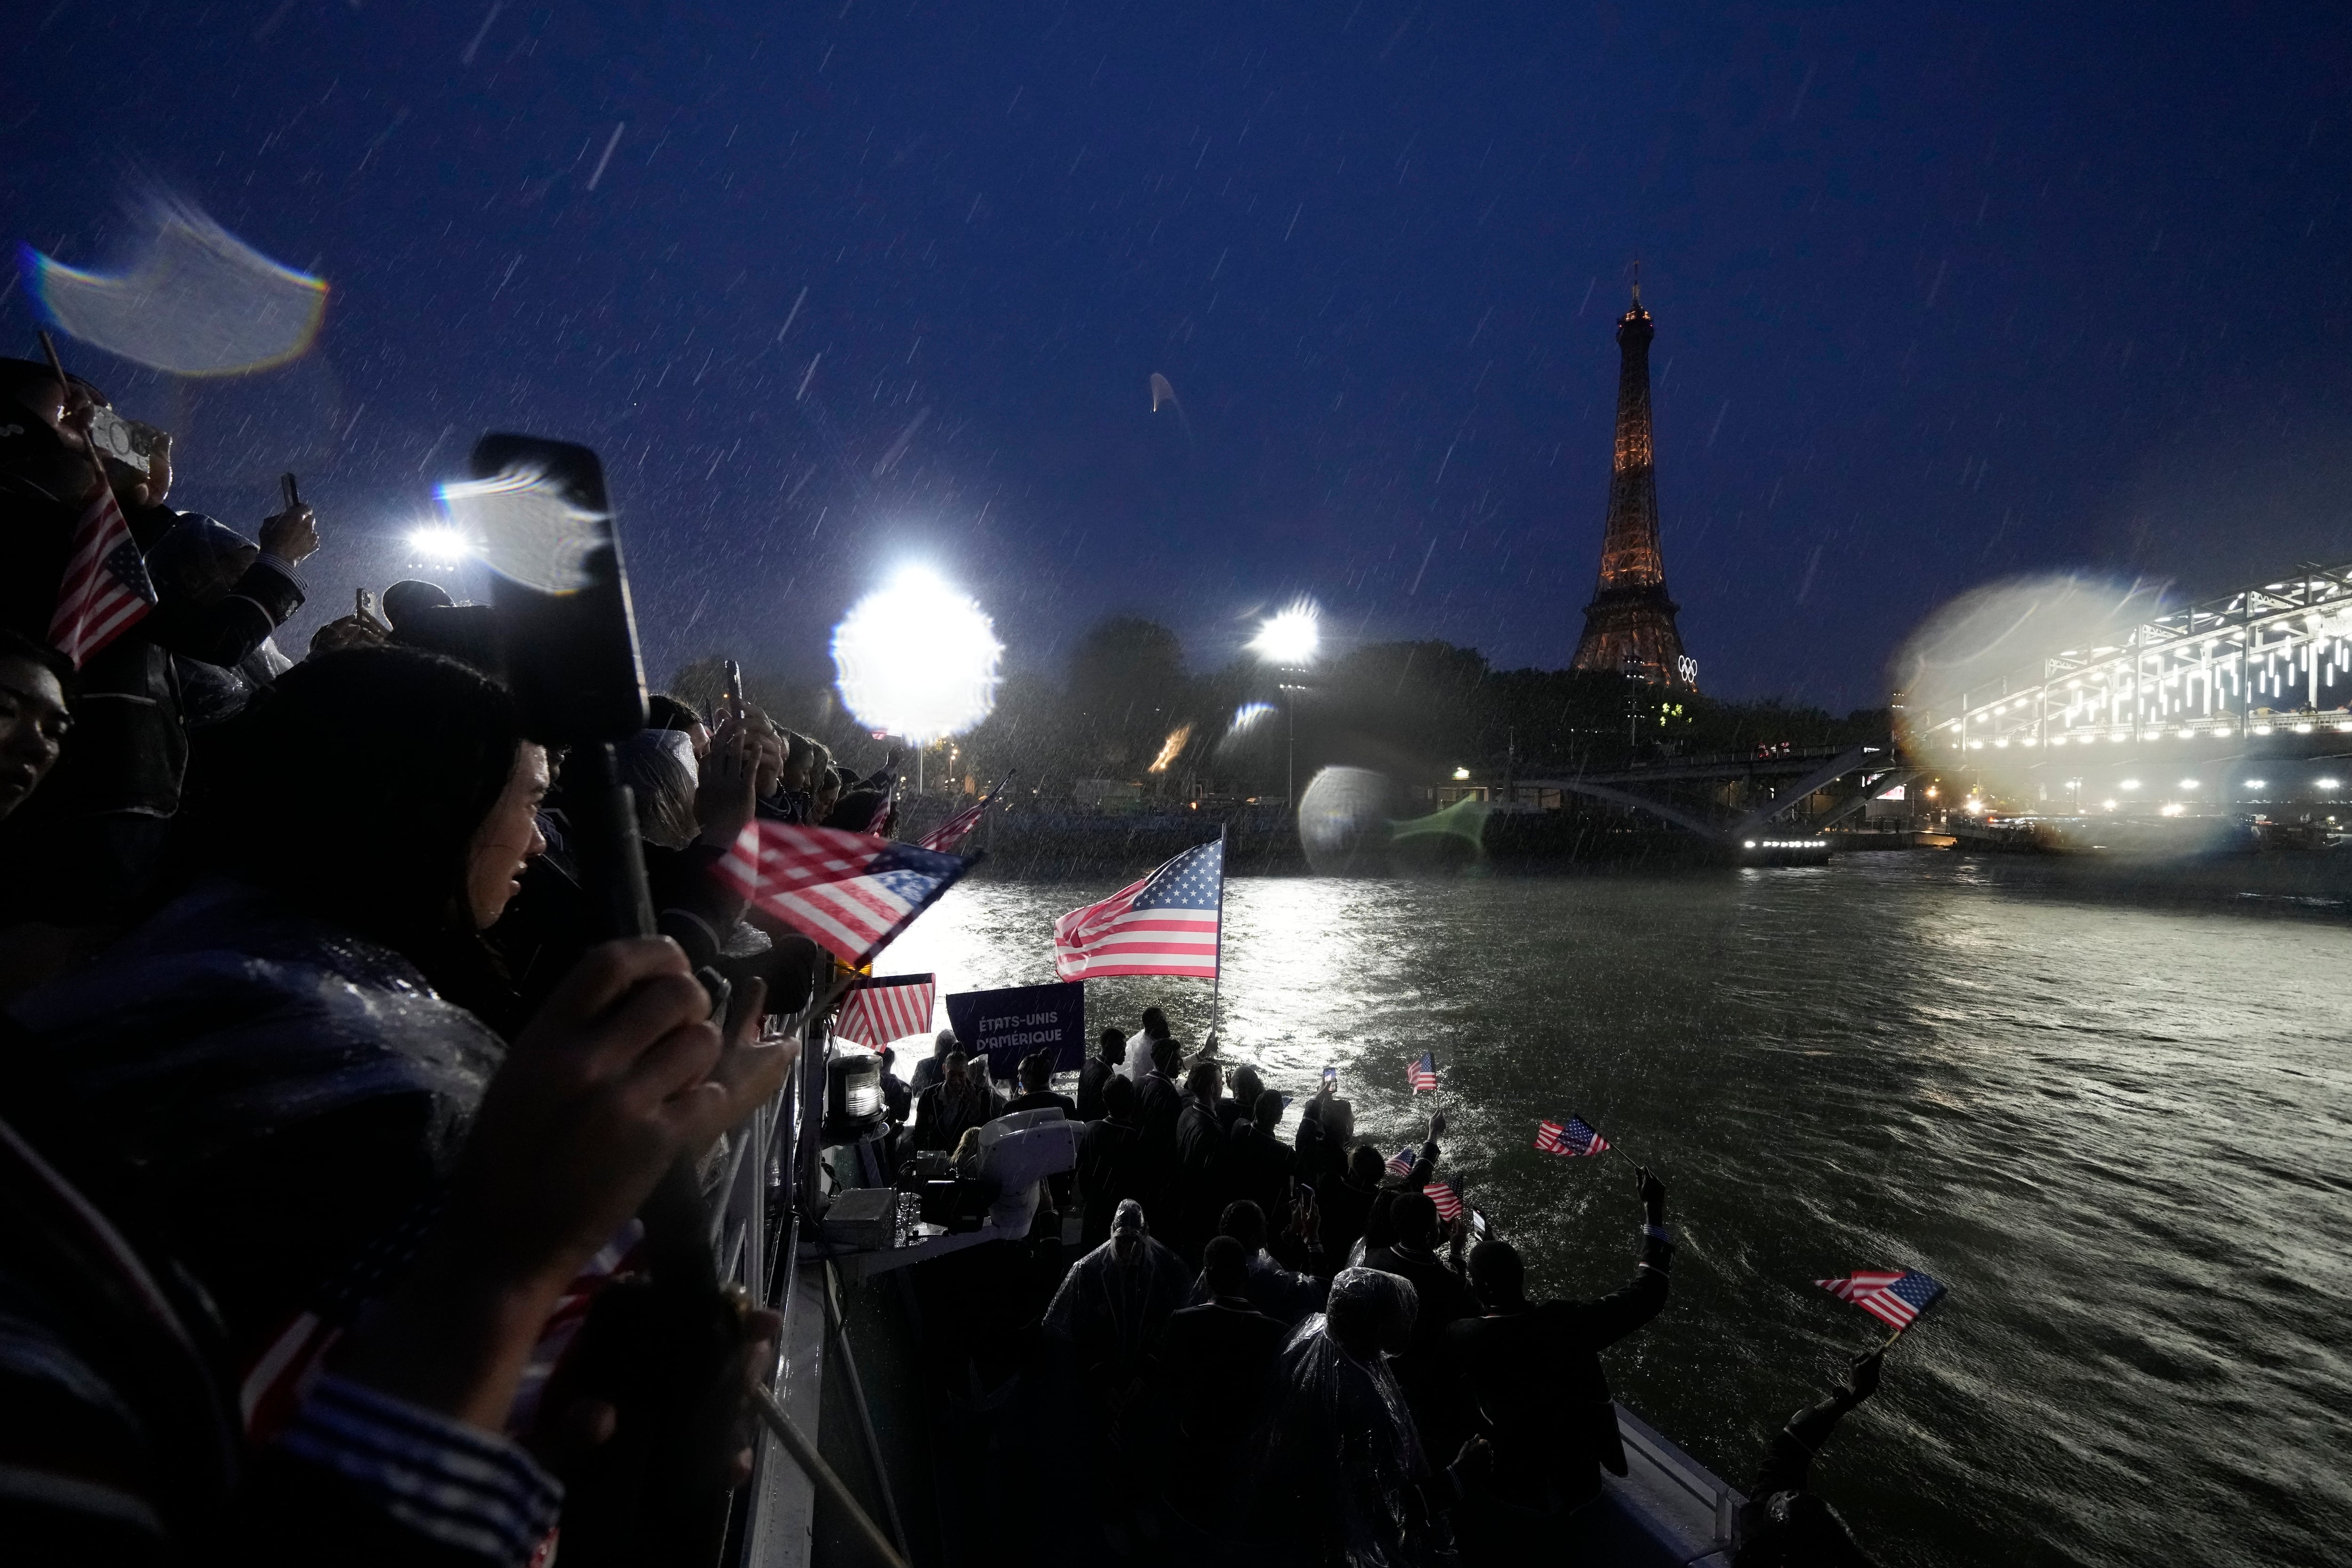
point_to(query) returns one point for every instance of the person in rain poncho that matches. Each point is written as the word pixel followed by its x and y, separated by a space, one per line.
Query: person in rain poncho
pixel 1115 1300
pixel 1336 1475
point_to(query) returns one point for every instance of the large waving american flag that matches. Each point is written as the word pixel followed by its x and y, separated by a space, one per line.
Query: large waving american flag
pixel 105 590
pixel 848 892
pixel 887 1007
pixel 1895 1297
pixel 1166 924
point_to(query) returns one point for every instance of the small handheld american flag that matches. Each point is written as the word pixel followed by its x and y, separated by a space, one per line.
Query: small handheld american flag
pixel 1895 1297
pixel 105 590
pixel 1423 1074
pixel 1574 1136
pixel 1401 1163
pixel 1447 1197
pixel 889 1007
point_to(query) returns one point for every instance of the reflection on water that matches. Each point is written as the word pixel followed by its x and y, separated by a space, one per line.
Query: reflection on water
pixel 2118 1133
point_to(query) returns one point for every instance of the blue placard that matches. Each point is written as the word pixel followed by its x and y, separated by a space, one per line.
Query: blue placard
pixel 1020 1020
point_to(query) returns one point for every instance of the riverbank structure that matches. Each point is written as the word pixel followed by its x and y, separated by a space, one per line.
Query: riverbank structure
pixel 1629 626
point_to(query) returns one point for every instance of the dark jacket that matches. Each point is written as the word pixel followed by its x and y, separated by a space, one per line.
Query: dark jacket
pixel 1345 1207
pixel 1532 1381
pixel 945 1112
pixel 261 1096
pixel 1215 1363
pixel 1109 1168
pixel 1042 1099
pixel 1091 1079
pixel 86 842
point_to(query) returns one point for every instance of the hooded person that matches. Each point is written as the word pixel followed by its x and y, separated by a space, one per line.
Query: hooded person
pixel 1336 1473
pixel 270 1078
pixel 1115 1300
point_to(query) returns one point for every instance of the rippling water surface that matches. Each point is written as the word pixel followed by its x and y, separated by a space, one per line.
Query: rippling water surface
pixel 2118 1133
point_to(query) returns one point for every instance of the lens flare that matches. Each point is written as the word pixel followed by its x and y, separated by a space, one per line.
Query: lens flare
pixel 1170 749
pixel 192 299
pixel 524 525
pixel 917 659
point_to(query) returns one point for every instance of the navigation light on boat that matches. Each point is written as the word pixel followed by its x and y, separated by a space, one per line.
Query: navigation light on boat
pixel 853 1093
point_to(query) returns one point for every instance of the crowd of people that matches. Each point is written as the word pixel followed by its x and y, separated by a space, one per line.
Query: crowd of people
pixel 1315 1364
pixel 329 1117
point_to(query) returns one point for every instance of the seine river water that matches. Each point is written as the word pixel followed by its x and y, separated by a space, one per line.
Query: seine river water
pixel 2121 1135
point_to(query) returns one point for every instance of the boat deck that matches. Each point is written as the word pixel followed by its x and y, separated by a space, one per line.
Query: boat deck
pixel 965 1479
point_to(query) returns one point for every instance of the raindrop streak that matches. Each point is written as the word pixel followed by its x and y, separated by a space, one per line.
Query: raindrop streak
pixel 612 141
pixel 482 31
pixel 794 315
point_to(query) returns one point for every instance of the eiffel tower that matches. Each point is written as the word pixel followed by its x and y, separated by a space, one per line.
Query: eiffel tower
pixel 1629 627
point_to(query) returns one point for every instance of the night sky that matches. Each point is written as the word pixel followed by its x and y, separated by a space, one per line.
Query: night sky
pixel 1941 295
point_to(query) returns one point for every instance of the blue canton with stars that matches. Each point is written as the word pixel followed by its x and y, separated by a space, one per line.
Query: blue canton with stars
pixel 1190 881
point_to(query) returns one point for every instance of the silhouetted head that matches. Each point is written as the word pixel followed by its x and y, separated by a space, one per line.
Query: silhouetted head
pixel 1497 1274
pixel 1364 1166
pixel 1246 1223
pixel 1204 1081
pixel 1246 1086
pixel 957 1069
pixel 1414 1218
pixel 1111 1047
pixel 403 600
pixel 1370 1311
pixel 1224 1263
pixel 942 1043
pixel 1129 1232
pixel 1155 1023
pixel 1036 1072
pixel 1167 1056
pixel 1267 1110
pixel 1118 1099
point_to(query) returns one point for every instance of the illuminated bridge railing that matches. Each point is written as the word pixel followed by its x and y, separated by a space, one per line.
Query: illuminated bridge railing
pixel 2271 659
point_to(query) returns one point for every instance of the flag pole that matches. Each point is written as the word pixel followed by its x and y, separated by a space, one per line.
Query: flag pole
pixel 1217 981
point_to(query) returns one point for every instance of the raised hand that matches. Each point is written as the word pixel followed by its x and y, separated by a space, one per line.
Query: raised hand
pixel 726 798
pixel 1653 1193
pixel 291 535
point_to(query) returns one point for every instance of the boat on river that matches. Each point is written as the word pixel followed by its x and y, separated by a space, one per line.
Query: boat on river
pixel 899 1461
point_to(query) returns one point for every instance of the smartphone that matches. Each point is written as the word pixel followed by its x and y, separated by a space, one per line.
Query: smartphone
pixel 125 441
pixel 1477 1224
pixel 1331 1078
pixel 363 606
pixel 290 490
pixel 734 692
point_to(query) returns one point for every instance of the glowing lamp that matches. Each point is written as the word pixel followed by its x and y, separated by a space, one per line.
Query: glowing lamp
pixel 439 545
pixel 917 659
pixel 1289 638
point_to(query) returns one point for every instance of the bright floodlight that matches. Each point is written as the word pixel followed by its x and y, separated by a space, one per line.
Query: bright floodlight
pixel 1289 638
pixel 439 545
pixel 917 659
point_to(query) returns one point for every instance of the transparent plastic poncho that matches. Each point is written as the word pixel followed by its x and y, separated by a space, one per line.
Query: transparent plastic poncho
pixel 1114 1301
pixel 1336 1461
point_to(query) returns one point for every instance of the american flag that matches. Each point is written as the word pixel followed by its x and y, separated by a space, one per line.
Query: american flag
pixel 1447 1197
pixel 849 892
pixel 957 828
pixel 1576 1136
pixel 889 1007
pixel 1895 1297
pixel 1423 1074
pixel 105 590
pixel 1401 1163
pixel 1165 924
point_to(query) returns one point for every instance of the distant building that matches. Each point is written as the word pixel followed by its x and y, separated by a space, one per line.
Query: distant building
pixel 1630 625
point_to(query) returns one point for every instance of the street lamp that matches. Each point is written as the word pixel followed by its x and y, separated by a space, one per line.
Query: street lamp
pixel 1288 641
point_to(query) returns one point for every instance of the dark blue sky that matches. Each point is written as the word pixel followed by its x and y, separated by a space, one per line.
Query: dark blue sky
pixel 1941 294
